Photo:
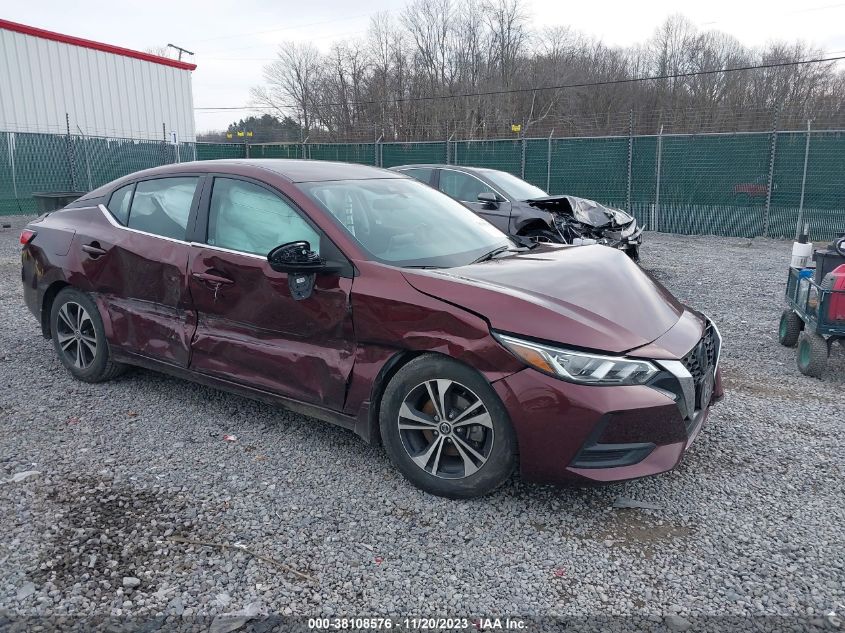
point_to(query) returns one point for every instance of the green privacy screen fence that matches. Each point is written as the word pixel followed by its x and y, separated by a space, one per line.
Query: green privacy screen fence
pixel 743 184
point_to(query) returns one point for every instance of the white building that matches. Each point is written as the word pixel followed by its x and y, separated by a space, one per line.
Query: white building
pixel 48 79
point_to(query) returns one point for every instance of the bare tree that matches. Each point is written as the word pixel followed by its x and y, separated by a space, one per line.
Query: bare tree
pixel 473 67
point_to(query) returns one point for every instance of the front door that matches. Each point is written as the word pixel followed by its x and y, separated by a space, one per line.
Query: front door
pixel 138 268
pixel 250 328
pixel 466 188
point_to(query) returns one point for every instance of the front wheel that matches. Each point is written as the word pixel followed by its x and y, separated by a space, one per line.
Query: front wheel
pixel 80 339
pixel 812 355
pixel 446 430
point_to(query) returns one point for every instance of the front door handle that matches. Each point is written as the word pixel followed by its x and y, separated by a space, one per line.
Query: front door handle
pixel 93 249
pixel 215 280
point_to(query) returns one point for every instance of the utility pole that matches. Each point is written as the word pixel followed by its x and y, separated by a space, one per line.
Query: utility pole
pixel 181 50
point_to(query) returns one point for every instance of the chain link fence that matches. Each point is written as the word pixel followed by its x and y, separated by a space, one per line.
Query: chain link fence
pixel 736 184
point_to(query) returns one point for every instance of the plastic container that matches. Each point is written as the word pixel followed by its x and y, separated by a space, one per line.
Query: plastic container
pixel 804 277
pixel 801 254
pixel 802 249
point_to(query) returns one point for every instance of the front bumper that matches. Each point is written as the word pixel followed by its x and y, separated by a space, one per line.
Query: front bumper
pixel 577 432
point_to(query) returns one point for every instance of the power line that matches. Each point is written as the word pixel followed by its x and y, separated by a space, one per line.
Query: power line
pixel 609 82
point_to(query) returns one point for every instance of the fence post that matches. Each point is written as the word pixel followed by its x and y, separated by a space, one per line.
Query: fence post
pixel 305 146
pixel 770 183
pixel 522 159
pixel 10 143
pixel 87 159
pixel 246 148
pixel 655 217
pixel 549 163
pixel 803 183
pixel 448 154
pixel 630 159
pixel 378 158
pixel 70 157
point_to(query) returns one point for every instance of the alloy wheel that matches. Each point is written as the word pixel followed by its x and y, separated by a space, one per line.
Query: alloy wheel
pixel 446 429
pixel 76 335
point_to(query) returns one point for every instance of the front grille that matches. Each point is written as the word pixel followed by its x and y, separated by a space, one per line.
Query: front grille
pixel 703 356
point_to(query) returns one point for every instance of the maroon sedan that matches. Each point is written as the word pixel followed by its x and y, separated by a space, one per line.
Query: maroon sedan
pixel 365 298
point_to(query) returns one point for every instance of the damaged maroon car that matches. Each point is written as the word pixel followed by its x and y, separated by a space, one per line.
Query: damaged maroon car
pixel 365 298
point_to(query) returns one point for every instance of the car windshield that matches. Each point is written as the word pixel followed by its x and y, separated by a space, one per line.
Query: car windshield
pixel 405 223
pixel 514 187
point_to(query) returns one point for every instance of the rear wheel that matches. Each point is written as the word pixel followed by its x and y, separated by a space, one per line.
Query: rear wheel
pixel 790 328
pixel 812 355
pixel 446 430
pixel 79 337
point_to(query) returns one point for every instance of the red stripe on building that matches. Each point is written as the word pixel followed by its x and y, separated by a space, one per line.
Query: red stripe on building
pixel 97 46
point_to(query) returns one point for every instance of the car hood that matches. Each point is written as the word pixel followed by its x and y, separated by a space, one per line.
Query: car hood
pixel 592 297
pixel 585 211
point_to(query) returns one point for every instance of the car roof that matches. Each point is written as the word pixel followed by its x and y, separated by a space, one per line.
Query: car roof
pixel 466 168
pixel 302 170
pixel 292 169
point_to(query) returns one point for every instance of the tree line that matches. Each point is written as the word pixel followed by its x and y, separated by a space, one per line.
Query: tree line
pixel 409 77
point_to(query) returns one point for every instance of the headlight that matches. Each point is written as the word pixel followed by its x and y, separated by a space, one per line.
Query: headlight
pixel 580 367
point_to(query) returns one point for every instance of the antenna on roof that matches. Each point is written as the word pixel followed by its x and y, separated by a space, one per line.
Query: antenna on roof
pixel 180 49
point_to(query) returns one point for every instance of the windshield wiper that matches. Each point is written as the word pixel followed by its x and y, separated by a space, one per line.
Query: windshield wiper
pixel 491 254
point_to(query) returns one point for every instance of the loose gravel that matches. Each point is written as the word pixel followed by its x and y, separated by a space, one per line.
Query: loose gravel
pixel 132 475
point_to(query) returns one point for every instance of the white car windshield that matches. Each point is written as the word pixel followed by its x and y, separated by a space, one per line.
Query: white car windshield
pixel 403 222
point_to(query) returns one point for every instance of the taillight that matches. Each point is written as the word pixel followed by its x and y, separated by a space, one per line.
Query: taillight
pixel 26 236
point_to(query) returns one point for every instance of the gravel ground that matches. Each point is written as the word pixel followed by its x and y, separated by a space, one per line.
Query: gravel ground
pixel 751 523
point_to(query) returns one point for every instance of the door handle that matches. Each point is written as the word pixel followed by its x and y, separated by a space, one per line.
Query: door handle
pixel 93 249
pixel 215 280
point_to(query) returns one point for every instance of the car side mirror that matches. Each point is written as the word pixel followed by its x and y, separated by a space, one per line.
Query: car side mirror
pixel 297 257
pixel 489 198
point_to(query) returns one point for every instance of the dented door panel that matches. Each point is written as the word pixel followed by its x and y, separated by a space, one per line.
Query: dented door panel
pixel 254 332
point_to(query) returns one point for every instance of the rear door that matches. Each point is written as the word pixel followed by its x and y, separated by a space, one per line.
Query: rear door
pixel 138 269
pixel 466 187
pixel 250 329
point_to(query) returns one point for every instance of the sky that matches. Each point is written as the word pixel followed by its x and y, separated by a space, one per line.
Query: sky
pixel 234 40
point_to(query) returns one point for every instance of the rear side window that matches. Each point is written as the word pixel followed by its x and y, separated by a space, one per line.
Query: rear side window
pixel 247 218
pixel 423 174
pixel 119 203
pixel 162 206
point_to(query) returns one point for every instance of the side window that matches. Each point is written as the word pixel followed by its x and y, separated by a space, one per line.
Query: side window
pixel 248 218
pixel 162 206
pixel 119 203
pixel 420 173
pixel 461 186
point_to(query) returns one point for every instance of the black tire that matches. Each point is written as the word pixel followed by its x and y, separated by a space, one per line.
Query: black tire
pixel 634 253
pixel 80 339
pixel 542 235
pixel 812 354
pixel 444 471
pixel 790 328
